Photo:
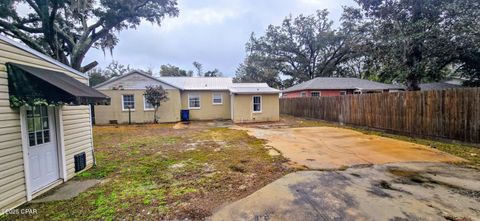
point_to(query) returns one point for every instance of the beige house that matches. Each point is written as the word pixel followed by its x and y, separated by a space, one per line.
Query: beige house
pixel 41 146
pixel 206 98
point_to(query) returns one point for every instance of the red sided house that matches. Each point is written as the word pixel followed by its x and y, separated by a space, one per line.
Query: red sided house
pixel 325 87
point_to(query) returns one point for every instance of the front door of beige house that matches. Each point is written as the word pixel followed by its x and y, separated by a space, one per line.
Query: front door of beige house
pixel 42 147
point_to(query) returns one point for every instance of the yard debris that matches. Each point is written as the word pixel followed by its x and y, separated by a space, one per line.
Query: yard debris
pixel 180 126
pixel 177 165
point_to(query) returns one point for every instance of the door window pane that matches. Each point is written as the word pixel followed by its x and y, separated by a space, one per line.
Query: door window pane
pixel 31 139
pixel 38 125
pixel 39 136
pixel 45 123
pixel 46 136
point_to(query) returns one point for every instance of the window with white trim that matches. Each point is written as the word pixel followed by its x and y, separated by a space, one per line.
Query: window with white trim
pixel 217 98
pixel 303 94
pixel 257 103
pixel 343 93
pixel 37 125
pixel 128 101
pixel 193 101
pixel 315 94
pixel 147 105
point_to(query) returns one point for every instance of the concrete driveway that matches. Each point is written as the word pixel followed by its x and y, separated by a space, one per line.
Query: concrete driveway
pixel 408 191
pixel 332 147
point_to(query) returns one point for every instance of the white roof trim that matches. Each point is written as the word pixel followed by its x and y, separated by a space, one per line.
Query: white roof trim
pixel 42 56
pixel 130 73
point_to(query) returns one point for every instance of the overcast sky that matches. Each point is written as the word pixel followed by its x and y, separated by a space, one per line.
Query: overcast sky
pixel 212 32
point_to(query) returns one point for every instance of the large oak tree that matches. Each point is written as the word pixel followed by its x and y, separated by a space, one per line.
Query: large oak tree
pixel 67 29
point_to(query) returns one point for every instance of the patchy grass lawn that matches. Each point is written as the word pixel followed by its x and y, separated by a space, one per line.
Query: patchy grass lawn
pixel 153 172
pixel 470 153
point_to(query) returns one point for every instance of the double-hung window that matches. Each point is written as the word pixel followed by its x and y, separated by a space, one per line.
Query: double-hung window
pixel 193 101
pixel 217 98
pixel 147 105
pixel 257 103
pixel 128 102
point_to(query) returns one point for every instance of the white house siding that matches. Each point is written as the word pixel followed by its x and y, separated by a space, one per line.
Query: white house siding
pixel 77 135
pixel 12 179
pixel 77 132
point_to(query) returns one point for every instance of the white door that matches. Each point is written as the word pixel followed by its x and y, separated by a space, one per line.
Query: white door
pixel 42 146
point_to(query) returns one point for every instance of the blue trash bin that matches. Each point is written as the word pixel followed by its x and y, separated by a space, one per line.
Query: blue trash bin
pixel 185 115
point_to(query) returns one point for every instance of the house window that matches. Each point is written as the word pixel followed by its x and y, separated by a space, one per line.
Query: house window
pixel 217 98
pixel 128 101
pixel 38 125
pixel 343 93
pixel 147 105
pixel 315 93
pixel 303 94
pixel 257 104
pixel 193 101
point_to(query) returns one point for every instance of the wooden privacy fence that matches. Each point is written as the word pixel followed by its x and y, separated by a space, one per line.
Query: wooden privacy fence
pixel 451 114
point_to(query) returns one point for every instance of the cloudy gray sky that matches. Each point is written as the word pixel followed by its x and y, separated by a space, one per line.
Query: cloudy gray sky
pixel 212 32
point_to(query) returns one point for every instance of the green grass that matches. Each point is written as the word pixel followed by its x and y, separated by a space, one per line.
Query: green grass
pixel 150 174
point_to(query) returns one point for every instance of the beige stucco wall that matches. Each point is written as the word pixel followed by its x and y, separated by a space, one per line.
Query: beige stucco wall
pixel 75 124
pixel 243 108
pixel 168 111
pixel 208 110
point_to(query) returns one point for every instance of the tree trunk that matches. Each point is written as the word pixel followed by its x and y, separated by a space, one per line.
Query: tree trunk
pixel 155 115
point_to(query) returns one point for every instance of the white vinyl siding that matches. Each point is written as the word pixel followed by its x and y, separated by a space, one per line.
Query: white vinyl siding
pixel 217 98
pixel 128 102
pixel 194 101
pixel 12 176
pixel 257 104
pixel 77 135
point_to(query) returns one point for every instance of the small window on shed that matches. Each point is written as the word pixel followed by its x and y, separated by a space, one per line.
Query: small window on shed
pixel 343 93
pixel 303 94
pixel 315 93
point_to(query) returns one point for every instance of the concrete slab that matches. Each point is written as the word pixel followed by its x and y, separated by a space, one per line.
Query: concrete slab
pixel 403 191
pixel 67 191
pixel 333 148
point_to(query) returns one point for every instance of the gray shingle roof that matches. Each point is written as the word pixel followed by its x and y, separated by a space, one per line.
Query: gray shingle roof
pixel 437 86
pixel 322 83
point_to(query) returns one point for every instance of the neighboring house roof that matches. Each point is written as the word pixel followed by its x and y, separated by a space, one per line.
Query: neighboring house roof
pixel 251 88
pixel 437 86
pixel 130 73
pixel 199 83
pixel 42 56
pixel 322 83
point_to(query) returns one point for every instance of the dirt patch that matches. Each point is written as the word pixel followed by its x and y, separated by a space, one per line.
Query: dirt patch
pixel 335 148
